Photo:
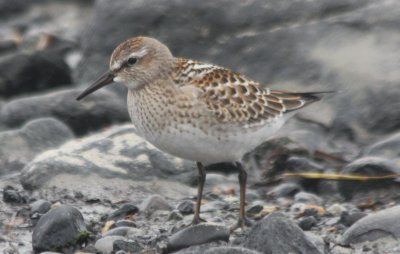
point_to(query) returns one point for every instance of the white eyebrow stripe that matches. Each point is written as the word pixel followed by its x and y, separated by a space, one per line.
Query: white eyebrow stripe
pixel 140 53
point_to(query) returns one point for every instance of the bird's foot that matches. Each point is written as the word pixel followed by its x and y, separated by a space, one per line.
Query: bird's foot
pixel 242 223
pixel 196 220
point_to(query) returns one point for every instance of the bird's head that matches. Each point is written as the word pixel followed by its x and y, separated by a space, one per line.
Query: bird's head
pixel 135 62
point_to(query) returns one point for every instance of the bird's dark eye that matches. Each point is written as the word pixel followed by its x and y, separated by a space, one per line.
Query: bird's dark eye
pixel 132 60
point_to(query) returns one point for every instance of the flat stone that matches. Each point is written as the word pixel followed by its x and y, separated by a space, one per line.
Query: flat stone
pixel 278 234
pixel 385 223
pixel 195 235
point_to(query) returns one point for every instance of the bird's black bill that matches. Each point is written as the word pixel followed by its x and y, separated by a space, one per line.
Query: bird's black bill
pixel 105 79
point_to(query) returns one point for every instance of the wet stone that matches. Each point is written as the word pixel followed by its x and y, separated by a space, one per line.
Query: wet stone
pixel 12 195
pixel 195 235
pixel 125 210
pixel 186 207
pixel 307 223
pixel 40 206
pixel 60 228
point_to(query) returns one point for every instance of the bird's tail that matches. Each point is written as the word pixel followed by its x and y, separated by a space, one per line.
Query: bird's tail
pixel 293 100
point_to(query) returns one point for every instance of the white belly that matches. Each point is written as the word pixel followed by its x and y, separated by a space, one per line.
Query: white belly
pixel 194 144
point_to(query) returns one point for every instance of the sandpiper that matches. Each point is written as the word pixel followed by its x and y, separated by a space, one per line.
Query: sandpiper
pixel 195 110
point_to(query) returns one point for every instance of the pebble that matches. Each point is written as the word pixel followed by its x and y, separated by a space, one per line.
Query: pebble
pixel 307 198
pixel 125 223
pixel 106 244
pixel 285 190
pixel 129 246
pixel 175 215
pixel 40 206
pixel 307 223
pixel 195 235
pixel 349 218
pixel 123 211
pixel 336 209
pixel 11 195
pixel 186 207
pixel 153 203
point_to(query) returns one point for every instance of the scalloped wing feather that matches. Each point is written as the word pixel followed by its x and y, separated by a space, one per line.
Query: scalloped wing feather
pixel 233 98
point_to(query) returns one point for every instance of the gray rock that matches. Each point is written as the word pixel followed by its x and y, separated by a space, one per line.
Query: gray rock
pixel 117 153
pixel 186 207
pixel 40 206
pixel 307 223
pixel 154 203
pixel 24 73
pixel 60 228
pixel 284 190
pixel 349 218
pixel 367 166
pixel 385 223
pixel 307 198
pixel 125 210
pixel 388 148
pixel 121 231
pixel 95 112
pixel 106 244
pixel 128 246
pixel 195 235
pixel 230 250
pixel 336 209
pixel 317 241
pixel 125 223
pixel 278 234
pixel 12 195
pixel 20 146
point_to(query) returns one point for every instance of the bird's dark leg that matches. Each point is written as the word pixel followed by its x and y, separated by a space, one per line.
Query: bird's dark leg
pixel 242 221
pixel 202 179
